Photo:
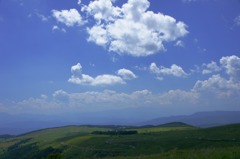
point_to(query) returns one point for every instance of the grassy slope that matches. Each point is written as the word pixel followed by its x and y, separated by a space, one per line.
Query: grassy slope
pixel 168 141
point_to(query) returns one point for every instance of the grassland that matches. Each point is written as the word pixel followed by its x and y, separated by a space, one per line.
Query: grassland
pixel 171 141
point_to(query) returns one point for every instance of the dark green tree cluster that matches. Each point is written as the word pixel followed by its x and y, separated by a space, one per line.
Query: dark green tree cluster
pixel 26 150
pixel 116 132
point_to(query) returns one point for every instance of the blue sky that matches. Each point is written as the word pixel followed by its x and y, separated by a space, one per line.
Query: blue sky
pixel 162 57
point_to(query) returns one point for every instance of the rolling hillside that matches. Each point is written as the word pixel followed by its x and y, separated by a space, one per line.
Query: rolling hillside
pixel 173 140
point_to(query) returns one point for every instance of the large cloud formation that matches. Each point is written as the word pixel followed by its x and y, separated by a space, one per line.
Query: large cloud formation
pixel 130 29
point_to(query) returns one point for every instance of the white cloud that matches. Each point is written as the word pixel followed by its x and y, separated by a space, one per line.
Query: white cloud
pixel 61 96
pixel 78 77
pixel 229 64
pixel 77 69
pixel 55 28
pixel 131 29
pixel 126 74
pixel 106 79
pixel 100 101
pixel 216 92
pixel 102 10
pixel 178 96
pixel 43 96
pixel 188 1
pixel 68 17
pixel 41 16
pixel 218 86
pixel 35 105
pixel 153 67
pixel 210 68
pixel 174 70
pixel 237 20
pixel 232 66
pixel 179 43
pixel 98 35
pixel 141 67
pixel 79 2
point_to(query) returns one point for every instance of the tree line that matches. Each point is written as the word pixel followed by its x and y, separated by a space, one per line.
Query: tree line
pixel 116 132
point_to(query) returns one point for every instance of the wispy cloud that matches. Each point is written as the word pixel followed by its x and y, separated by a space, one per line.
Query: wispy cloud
pixel 57 28
pixel 42 17
pixel 237 20
pixel 188 1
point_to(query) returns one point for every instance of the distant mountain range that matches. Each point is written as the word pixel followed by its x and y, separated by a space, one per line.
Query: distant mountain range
pixel 18 124
pixel 200 119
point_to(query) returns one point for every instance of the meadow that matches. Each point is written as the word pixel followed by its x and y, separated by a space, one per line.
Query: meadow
pixel 169 141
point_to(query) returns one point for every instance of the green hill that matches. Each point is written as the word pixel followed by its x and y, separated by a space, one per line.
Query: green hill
pixel 173 140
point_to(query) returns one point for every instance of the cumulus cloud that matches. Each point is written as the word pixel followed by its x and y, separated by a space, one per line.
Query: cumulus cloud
pixel 68 17
pixel 232 66
pixel 98 35
pixel 210 68
pixel 102 10
pixel 222 86
pixel 131 29
pixel 174 70
pixel 228 64
pixel 106 79
pixel 218 87
pixel 61 95
pixel 126 74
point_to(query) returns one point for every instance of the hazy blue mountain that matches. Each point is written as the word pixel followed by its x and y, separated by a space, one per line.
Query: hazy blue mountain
pixel 17 124
pixel 200 119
